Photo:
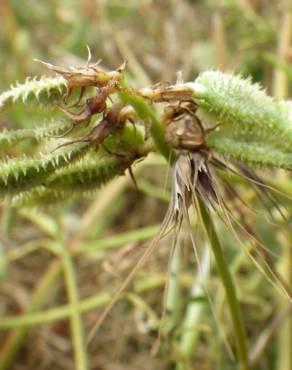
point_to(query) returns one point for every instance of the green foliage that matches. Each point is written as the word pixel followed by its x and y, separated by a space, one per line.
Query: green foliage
pixel 88 174
pixel 40 180
pixel 18 174
pixel 252 127
pixel 45 250
pixel 249 151
pixel 36 91
pixel 12 137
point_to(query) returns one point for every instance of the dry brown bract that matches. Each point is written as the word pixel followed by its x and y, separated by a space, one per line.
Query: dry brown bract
pixel 113 120
pixel 90 75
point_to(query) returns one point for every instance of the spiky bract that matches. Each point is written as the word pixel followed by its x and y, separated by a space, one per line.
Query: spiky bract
pixel 85 176
pixel 18 174
pixel 37 91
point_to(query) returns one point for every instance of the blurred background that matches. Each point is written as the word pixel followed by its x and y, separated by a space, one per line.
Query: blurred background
pixel 106 232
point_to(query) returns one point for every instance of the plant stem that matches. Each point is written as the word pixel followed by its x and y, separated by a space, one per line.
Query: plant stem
pixel 173 299
pixel 85 305
pixel 194 312
pixel 76 318
pixel 284 338
pixel 147 114
pixel 281 81
pixel 226 278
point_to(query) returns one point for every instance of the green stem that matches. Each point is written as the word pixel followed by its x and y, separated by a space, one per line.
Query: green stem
pixel 226 278
pixel 195 309
pixel 76 318
pixel 102 245
pixel 157 129
pixel 284 338
pixel 85 305
pixel 173 299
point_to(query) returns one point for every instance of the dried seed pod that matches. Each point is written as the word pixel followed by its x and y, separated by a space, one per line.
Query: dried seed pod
pixel 90 75
pixel 184 129
pixel 94 105
pixel 114 119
